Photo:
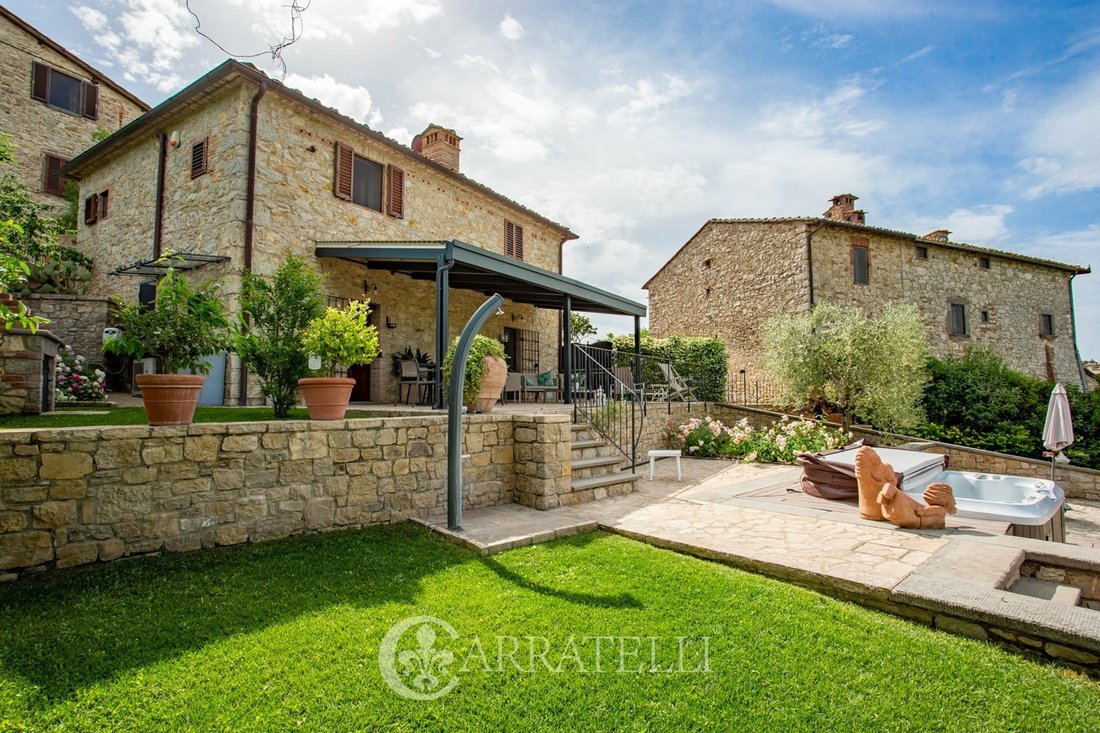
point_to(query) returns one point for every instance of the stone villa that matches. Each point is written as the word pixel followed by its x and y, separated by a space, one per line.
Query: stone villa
pixel 237 169
pixel 52 103
pixel 735 274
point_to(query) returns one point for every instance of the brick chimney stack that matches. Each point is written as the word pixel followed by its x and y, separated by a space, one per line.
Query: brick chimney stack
pixel 940 235
pixel 440 145
pixel 844 209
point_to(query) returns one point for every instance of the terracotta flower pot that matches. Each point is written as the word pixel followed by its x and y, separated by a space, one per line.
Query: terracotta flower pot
pixel 326 398
pixel 170 399
pixel 493 380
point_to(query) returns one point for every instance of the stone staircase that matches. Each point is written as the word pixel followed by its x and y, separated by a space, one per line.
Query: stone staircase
pixel 597 468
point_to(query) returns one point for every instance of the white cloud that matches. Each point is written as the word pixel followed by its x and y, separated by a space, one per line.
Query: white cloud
pixel 982 224
pixel 921 53
pixel 475 61
pixel 353 101
pixel 381 14
pixel 511 28
pixel 1064 145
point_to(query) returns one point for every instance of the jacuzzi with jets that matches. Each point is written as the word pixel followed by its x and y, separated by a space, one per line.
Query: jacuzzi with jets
pixel 1033 506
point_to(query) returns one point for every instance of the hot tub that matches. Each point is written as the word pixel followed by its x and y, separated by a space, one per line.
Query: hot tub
pixel 1033 506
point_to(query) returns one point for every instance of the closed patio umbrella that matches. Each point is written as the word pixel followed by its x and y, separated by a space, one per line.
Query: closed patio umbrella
pixel 1058 429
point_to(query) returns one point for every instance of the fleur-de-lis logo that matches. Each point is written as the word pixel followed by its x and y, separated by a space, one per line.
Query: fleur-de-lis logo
pixel 425 664
pixel 419 673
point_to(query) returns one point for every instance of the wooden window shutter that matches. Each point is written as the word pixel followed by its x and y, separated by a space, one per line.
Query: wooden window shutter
pixel 91 101
pixel 396 203
pixel 513 240
pixel 103 208
pixel 200 157
pixel 91 209
pixel 345 165
pixel 53 182
pixel 40 81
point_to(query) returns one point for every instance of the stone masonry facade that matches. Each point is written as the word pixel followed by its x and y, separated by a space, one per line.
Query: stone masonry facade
pixel 77 496
pixel 734 275
pixel 295 208
pixel 38 129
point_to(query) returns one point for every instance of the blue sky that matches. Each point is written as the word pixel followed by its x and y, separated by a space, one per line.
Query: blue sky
pixel 633 123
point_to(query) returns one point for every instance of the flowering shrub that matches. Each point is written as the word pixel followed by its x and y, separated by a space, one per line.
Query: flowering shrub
pixel 780 443
pixel 77 381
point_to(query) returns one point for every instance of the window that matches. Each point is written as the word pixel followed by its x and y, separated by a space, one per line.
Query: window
pixel 52 180
pixel 957 320
pixel 706 264
pixel 62 91
pixel 513 240
pixel 360 180
pixel 985 316
pixel 983 262
pixel 1046 325
pixel 96 207
pixel 922 252
pixel 861 267
pixel 200 157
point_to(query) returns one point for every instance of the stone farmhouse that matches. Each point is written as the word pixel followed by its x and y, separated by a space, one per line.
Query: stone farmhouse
pixel 735 274
pixel 52 103
pixel 237 170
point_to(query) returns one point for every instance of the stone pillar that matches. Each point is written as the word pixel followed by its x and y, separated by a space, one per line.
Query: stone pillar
pixel 542 458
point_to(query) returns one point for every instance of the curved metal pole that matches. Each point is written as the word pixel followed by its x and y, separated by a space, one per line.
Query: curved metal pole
pixel 454 409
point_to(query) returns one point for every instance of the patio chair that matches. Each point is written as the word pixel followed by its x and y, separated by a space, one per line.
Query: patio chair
pixel 513 386
pixel 413 377
pixel 624 385
pixel 679 388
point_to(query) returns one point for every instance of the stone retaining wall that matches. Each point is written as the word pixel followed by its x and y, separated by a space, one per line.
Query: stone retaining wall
pixel 71 497
pixel 27 362
pixel 78 320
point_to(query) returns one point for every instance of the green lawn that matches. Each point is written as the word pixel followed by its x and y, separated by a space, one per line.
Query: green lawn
pixel 285 636
pixel 71 417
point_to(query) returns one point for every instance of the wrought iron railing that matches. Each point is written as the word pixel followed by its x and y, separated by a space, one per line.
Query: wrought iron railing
pixel 605 400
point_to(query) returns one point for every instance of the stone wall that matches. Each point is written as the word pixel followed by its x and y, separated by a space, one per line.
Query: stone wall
pixel 78 320
pixel 295 208
pixel 727 281
pixel 37 129
pixel 71 497
pixel 732 276
pixel 1012 293
pixel 26 369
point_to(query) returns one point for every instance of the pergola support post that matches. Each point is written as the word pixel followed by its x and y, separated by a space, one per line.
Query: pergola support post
pixel 443 266
pixel 567 331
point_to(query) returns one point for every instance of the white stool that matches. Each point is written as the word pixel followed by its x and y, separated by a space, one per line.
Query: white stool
pixel 655 454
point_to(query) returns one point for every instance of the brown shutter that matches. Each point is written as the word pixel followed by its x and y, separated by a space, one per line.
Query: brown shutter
pixel 509 239
pixel 40 81
pixel 103 210
pixel 519 241
pixel 200 158
pixel 345 164
pixel 91 101
pixel 91 209
pixel 53 182
pixel 396 203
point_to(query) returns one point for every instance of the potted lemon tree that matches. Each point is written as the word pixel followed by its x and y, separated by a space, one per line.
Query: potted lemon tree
pixel 486 373
pixel 186 325
pixel 339 337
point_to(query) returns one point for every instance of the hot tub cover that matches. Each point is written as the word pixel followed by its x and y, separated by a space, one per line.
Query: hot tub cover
pixel 832 474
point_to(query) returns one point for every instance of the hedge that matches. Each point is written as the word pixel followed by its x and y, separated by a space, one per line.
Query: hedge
pixel 698 358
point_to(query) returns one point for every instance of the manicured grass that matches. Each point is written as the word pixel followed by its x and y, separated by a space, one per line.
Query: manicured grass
pixel 136 416
pixel 285 636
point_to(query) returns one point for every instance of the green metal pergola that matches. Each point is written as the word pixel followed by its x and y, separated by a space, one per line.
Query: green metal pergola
pixel 455 264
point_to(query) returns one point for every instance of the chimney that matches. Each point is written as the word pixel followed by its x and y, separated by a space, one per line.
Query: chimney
pixel 843 209
pixel 440 145
pixel 940 235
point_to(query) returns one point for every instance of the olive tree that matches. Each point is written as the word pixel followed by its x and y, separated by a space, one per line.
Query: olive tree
pixel 871 365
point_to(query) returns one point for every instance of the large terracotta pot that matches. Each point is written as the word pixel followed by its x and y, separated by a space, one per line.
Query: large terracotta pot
pixel 493 379
pixel 326 398
pixel 170 399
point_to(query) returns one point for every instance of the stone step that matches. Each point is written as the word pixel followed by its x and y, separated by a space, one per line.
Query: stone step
pixel 588 443
pixel 1064 595
pixel 611 479
pixel 596 466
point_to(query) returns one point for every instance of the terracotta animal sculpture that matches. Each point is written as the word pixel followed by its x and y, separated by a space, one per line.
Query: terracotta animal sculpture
pixel 879 497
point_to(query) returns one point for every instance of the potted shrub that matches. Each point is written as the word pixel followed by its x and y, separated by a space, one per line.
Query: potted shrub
pixel 339 337
pixel 186 325
pixel 269 339
pixel 486 373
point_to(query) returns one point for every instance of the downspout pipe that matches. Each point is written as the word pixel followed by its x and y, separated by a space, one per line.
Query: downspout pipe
pixel 443 267
pixel 158 206
pixel 1073 334
pixel 250 212
pixel 810 259
pixel 454 409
